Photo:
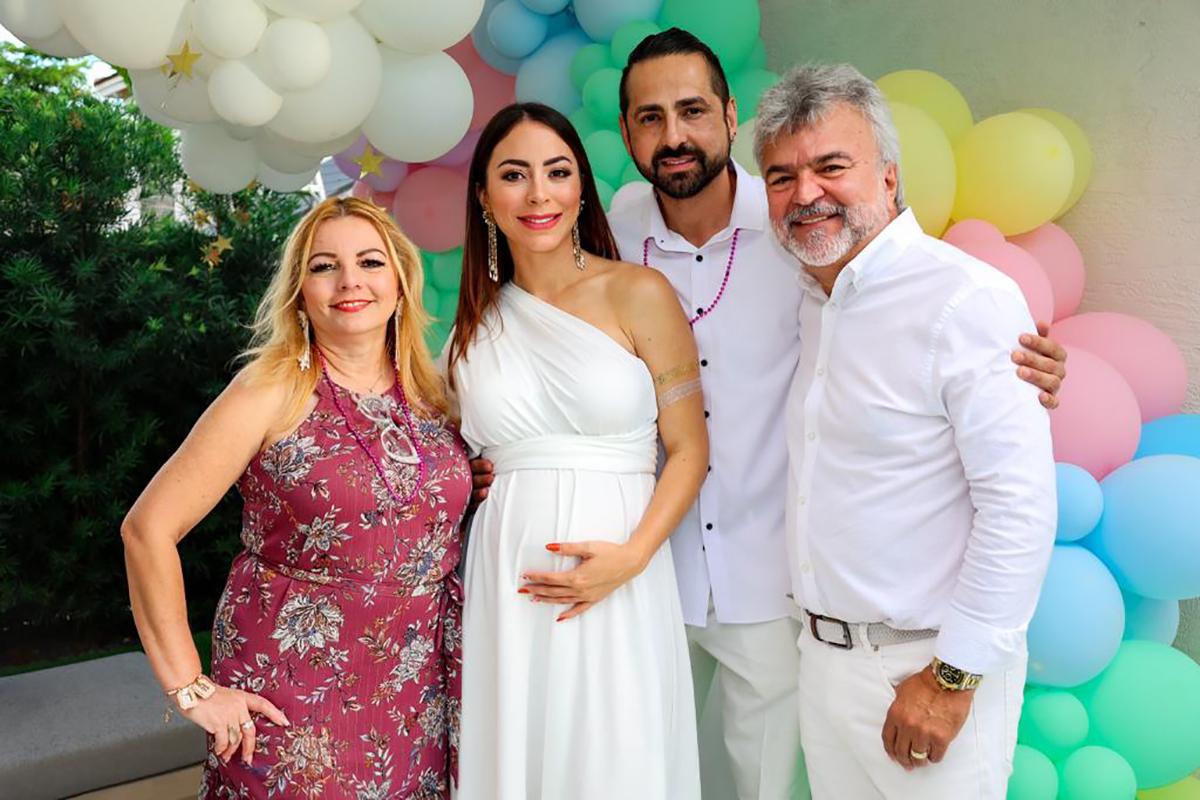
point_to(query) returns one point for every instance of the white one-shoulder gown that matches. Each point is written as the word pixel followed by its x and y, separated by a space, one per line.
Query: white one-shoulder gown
pixel 598 707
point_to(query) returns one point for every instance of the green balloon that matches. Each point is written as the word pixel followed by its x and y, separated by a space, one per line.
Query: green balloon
pixel 1145 706
pixel 436 336
pixel 584 125
pixel 629 36
pixel 431 300
pixel 606 192
pixel 1033 776
pixel 1096 773
pixel 589 59
pixel 1054 722
pixel 748 86
pixel 445 270
pixel 758 56
pixel 606 152
pixel 729 27
pixel 601 96
pixel 631 174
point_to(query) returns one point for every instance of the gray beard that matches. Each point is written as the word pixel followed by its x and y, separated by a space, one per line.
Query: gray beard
pixel 820 249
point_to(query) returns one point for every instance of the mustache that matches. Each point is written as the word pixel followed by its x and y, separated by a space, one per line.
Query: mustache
pixel 682 151
pixel 816 210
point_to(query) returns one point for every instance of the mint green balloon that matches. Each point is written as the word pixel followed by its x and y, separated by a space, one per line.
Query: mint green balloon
pixel 606 153
pixel 601 96
pixel 1146 707
pixel 445 270
pixel 436 336
pixel 606 192
pixel 748 86
pixel 1096 773
pixel 632 174
pixel 584 125
pixel 729 27
pixel 431 300
pixel 1054 722
pixel 758 56
pixel 590 58
pixel 1033 776
pixel 629 36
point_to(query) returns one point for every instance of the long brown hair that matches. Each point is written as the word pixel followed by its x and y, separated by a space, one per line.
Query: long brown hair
pixel 278 338
pixel 478 293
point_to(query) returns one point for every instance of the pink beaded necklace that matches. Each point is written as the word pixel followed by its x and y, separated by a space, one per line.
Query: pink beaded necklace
pixel 412 435
pixel 703 312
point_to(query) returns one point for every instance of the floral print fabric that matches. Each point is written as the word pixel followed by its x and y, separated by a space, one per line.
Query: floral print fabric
pixel 344 611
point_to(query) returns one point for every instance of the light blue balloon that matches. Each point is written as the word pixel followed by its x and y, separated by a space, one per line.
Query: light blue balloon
pixel 546 6
pixel 483 43
pixel 1149 534
pixel 1152 620
pixel 1080 502
pixel 1080 617
pixel 545 77
pixel 601 18
pixel 515 30
pixel 561 23
pixel 1178 434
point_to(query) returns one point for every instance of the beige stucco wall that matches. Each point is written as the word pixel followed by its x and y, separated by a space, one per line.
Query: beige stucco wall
pixel 1128 71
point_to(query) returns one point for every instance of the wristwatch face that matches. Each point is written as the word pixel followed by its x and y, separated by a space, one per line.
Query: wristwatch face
pixel 951 675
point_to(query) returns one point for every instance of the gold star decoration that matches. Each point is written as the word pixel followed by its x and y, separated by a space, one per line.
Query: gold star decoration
pixel 201 217
pixel 369 162
pixel 210 255
pixel 183 62
pixel 223 244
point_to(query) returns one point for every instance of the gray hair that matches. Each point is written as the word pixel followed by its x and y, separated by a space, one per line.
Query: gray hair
pixel 806 94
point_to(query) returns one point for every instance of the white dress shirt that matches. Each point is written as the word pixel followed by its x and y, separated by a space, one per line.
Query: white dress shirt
pixel 731 542
pixel 921 480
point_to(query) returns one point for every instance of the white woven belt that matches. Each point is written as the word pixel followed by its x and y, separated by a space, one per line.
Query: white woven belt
pixel 848 635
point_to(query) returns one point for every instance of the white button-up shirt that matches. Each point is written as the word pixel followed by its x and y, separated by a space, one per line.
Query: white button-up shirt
pixel 921 481
pixel 730 545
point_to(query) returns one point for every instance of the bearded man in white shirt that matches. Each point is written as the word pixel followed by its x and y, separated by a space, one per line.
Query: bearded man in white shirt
pixel 921 499
pixel 706 227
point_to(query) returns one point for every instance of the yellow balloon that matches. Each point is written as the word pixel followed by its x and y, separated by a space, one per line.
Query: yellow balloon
pixel 934 95
pixel 1081 152
pixel 1186 789
pixel 1014 170
pixel 926 167
pixel 743 146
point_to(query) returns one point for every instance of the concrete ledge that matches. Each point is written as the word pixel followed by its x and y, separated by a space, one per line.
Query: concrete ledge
pixel 178 785
pixel 87 726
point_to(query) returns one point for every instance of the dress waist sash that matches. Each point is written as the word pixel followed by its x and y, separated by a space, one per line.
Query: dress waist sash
pixel 636 451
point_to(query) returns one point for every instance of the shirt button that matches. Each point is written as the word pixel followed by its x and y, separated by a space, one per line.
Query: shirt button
pixel 820 370
pixel 699 257
pixel 700 310
pixel 708 527
pixel 706 414
pixel 811 435
pixel 833 305
pixel 806 568
pixel 704 362
pixel 803 500
pixel 710 467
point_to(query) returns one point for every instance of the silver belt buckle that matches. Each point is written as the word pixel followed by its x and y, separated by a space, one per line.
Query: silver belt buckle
pixel 847 642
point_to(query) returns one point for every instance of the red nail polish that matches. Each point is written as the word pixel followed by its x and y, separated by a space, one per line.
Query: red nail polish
pixel 522 590
pixel 553 547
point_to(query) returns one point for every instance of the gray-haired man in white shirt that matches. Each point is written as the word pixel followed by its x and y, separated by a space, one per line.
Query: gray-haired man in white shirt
pixel 921 502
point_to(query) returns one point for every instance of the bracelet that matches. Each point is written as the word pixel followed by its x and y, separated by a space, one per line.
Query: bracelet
pixel 190 695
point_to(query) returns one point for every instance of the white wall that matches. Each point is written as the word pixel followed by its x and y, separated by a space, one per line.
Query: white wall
pixel 1128 71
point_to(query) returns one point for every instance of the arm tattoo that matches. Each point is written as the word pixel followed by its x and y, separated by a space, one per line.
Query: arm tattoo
pixel 688 370
pixel 678 392
pixel 678 383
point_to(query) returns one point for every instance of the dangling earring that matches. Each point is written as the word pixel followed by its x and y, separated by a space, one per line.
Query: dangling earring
pixel 304 359
pixel 493 259
pixel 579 262
pixel 396 333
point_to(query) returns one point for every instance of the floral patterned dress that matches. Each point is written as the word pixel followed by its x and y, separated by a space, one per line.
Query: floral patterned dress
pixel 344 611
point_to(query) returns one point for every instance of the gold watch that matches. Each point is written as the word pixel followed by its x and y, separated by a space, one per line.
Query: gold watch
pixel 953 679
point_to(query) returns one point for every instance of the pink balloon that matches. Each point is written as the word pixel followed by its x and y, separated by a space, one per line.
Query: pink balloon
pixel 1062 262
pixel 362 190
pixel 1145 356
pixel 1022 268
pixel 391 173
pixel 972 231
pixel 1097 424
pixel 461 153
pixel 383 199
pixel 429 207
pixel 493 89
pixel 345 159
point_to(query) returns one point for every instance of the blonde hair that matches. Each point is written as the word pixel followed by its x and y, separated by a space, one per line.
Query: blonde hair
pixel 278 338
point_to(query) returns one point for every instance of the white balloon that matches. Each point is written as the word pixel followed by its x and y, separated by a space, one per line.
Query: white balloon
pixel 283 181
pixel 181 99
pixel 30 19
pixel 294 54
pixel 241 132
pixel 61 44
pixel 413 27
pixel 316 150
pixel 136 34
pixel 229 28
pixel 424 107
pixel 240 96
pixel 629 193
pixel 344 97
pixel 280 158
pixel 316 10
pixel 216 161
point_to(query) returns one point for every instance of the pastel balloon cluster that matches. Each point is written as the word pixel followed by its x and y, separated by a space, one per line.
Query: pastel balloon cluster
pixel 265 89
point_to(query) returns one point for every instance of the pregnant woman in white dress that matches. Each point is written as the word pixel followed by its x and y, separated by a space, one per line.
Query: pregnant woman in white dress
pixel 569 367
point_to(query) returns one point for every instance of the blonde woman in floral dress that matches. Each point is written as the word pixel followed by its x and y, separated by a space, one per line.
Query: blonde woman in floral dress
pixel 336 642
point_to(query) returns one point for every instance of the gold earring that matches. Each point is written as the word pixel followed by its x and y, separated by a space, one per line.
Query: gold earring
pixel 493 259
pixel 304 359
pixel 579 261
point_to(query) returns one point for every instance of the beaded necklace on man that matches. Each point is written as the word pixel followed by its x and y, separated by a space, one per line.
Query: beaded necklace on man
pixel 704 311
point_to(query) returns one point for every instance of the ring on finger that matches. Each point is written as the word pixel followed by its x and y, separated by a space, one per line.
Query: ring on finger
pixel 247 724
pixel 918 756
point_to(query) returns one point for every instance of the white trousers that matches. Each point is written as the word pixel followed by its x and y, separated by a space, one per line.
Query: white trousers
pixel 844 699
pixel 755 667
